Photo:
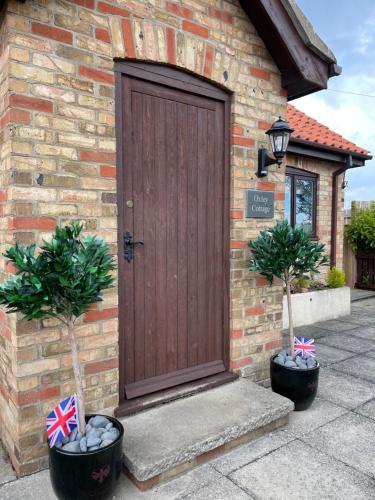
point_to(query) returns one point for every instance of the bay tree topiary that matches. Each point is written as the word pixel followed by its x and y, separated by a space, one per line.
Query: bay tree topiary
pixel 61 281
pixel 286 253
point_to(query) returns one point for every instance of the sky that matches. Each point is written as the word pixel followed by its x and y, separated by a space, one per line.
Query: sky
pixel 348 28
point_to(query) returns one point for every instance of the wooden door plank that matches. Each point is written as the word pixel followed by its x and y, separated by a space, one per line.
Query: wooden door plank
pixel 202 195
pixel 148 251
pixel 161 242
pixel 182 189
pixel 172 234
pixel 140 132
pixel 192 246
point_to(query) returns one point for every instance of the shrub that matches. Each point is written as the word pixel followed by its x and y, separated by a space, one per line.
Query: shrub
pixel 302 282
pixel 360 233
pixel 335 278
pixel 289 254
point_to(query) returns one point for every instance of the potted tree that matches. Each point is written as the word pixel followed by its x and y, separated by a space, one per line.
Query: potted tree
pixel 288 253
pixel 62 281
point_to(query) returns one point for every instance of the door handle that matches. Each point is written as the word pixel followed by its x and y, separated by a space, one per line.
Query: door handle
pixel 129 246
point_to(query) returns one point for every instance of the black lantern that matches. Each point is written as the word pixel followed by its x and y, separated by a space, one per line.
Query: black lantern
pixel 279 135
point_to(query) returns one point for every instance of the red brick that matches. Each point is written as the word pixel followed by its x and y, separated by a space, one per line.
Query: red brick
pixel 261 281
pixel 98 156
pixel 260 73
pixel 280 196
pixel 128 38
pixel 236 214
pixel 50 32
pixel 101 366
pixel 266 186
pixel 10 268
pixel 237 130
pixel 33 103
pixel 236 334
pixel 4 392
pixel 97 315
pixel 236 244
pixel 240 363
pixel 283 92
pixel 243 141
pixel 208 61
pixel 220 14
pixel 179 11
pixel 19 116
pixel 112 9
pixel 106 171
pixel 262 125
pixel 5 119
pixel 89 4
pixel 194 28
pixel 31 397
pixel 103 35
pixel 275 344
pixel 96 74
pixel 44 223
pixel 171 46
pixel 254 311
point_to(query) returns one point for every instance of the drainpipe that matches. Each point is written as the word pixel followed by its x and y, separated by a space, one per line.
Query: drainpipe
pixel 335 177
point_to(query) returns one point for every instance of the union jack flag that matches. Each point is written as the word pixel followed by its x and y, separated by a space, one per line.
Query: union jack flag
pixel 62 420
pixel 304 345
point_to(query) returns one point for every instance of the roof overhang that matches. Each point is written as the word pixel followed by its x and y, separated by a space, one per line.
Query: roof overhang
pixel 305 62
pixel 327 153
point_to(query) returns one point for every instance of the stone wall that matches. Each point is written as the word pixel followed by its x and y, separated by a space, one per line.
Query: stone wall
pixel 59 161
pixel 324 170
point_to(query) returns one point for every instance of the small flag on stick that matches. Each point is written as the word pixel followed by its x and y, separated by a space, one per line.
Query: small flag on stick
pixel 62 420
pixel 304 346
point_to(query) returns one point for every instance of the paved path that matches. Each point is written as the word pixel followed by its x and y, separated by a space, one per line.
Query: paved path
pixel 327 452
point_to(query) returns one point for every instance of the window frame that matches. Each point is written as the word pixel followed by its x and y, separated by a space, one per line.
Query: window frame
pixel 297 173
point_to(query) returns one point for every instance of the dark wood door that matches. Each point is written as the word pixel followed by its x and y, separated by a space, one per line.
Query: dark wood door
pixel 173 197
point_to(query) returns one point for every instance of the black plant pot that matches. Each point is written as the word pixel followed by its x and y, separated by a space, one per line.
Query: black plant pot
pixel 91 475
pixel 298 385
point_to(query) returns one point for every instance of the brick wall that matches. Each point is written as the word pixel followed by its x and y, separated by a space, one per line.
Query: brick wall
pixel 324 170
pixel 60 164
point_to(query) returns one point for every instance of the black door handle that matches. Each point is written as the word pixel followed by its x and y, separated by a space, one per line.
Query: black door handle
pixel 129 246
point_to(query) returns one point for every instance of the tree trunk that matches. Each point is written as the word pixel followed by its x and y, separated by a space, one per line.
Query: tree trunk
pixel 290 315
pixel 78 378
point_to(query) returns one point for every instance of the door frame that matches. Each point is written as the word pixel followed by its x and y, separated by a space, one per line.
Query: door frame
pixel 182 80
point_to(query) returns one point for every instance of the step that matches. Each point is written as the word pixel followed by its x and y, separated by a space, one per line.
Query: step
pixel 165 441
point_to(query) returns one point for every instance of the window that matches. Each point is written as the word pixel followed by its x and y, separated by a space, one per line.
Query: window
pixel 300 199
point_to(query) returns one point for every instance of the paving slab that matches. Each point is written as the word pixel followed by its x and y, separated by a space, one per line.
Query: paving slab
pixel 319 413
pixel 365 332
pixel 362 367
pixel 335 325
pixel 249 452
pixel 29 488
pixel 362 317
pixel 344 390
pixel 7 472
pixel 299 471
pixel 327 355
pixel 163 438
pixel 367 410
pixel 350 439
pixel 347 342
pixel 309 331
pixel 223 489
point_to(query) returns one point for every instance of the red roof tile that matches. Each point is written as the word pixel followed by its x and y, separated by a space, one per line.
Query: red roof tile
pixel 308 129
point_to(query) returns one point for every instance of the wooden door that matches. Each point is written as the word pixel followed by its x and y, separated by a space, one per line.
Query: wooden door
pixel 173 189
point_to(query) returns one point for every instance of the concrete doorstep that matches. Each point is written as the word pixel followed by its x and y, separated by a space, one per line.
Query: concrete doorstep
pixel 166 441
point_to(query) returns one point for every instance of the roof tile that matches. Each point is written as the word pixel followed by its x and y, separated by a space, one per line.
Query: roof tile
pixel 311 130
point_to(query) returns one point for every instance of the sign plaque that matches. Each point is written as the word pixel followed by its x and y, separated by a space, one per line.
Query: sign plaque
pixel 260 204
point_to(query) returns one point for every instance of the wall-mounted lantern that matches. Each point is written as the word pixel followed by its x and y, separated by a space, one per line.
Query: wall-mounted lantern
pixel 279 135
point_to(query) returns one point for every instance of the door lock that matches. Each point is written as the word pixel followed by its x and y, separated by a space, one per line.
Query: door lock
pixel 129 246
